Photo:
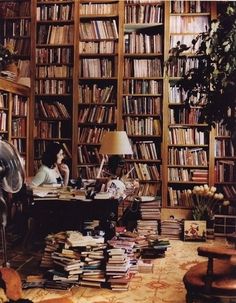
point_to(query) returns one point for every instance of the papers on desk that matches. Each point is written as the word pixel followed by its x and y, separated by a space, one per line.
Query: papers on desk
pixel 42 192
pixel 103 195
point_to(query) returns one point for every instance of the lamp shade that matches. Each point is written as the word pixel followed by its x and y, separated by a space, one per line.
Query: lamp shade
pixel 115 143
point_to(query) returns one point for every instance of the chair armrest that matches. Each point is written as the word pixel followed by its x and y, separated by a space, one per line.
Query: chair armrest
pixel 217 252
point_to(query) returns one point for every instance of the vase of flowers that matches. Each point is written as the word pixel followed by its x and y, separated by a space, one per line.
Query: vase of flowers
pixel 205 202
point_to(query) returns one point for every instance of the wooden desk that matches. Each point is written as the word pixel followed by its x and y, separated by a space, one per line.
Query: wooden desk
pixel 53 214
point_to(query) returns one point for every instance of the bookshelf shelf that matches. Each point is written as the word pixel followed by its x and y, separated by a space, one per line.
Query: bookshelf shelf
pixel 14 104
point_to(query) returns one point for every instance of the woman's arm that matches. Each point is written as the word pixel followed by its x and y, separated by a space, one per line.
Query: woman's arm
pixel 65 172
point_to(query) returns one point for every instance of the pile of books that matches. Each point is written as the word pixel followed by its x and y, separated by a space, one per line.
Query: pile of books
pixel 117 269
pixel 171 228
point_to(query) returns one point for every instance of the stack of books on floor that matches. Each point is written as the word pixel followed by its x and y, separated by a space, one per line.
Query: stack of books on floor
pixel 94 266
pixel 52 243
pixel 156 248
pixel 74 259
pixel 147 227
pixel 171 229
pixel 117 269
pixel 150 210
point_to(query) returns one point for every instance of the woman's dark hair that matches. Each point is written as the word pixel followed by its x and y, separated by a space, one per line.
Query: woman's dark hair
pixel 49 157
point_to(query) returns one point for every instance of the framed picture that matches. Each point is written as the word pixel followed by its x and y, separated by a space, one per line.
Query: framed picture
pixel 194 230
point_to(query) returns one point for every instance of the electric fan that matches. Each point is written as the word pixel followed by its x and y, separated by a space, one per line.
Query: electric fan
pixel 11 181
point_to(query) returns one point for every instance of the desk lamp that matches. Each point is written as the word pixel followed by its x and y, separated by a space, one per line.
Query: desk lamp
pixel 114 143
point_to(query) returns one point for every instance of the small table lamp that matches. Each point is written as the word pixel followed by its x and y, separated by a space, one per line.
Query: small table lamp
pixel 114 143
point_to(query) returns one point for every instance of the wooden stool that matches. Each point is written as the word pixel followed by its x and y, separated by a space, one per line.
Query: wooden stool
pixel 213 279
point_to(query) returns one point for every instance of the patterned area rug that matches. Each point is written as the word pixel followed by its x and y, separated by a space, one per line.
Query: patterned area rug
pixel 163 285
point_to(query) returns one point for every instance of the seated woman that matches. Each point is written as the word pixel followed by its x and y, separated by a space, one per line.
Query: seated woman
pixel 53 170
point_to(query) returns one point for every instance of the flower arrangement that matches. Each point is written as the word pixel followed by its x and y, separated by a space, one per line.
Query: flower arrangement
pixel 6 55
pixel 205 201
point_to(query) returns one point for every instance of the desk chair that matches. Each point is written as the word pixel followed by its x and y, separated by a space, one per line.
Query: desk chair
pixel 214 279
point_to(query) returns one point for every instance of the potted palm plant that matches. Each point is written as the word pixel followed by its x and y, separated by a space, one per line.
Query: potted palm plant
pixel 214 80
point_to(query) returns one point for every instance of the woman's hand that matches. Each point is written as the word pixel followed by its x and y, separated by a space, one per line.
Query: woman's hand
pixel 65 172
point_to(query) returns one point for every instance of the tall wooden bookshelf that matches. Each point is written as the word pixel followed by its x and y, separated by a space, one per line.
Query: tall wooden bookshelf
pixel 187 149
pixel 224 163
pixel 142 90
pixel 53 75
pixel 98 80
pixel 98 66
pixel 14 122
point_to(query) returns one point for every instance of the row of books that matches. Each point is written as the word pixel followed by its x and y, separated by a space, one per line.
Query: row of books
pixel 183 6
pixel 225 171
pixel 178 197
pixel 19 127
pixel 98 29
pixel 96 93
pixel 224 148
pixel 147 13
pixel 177 95
pixel 183 65
pixel 88 172
pixel 20 144
pixel 97 114
pixel 54 34
pixel 187 156
pixel 58 55
pixel 91 135
pixel 221 130
pixel 186 175
pixel 97 68
pixel 20 45
pixel 145 150
pixel 187 136
pixel 186 39
pixel 189 24
pixel 50 129
pixel 54 12
pixel 142 68
pixel 15 9
pixel 142 105
pixel 98 8
pixel 52 86
pixel 23 67
pixel 136 126
pixel 3 121
pixel 149 189
pixel 146 172
pixel 185 115
pixel 143 43
pixel 100 47
pixel 229 191
pixel 4 99
pixel 55 110
pixel 87 155
pixel 54 71
pixel 16 28
pixel 152 87
pixel 19 107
